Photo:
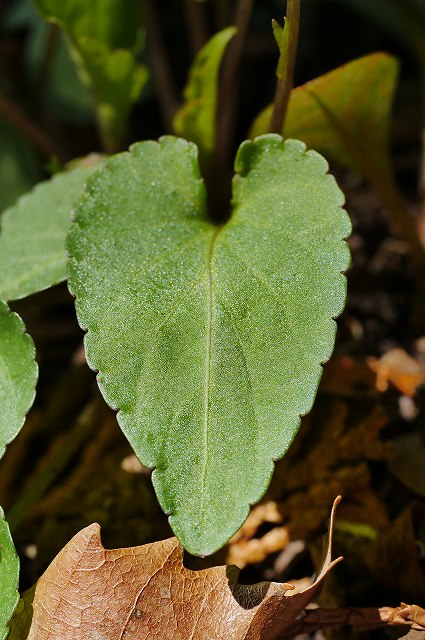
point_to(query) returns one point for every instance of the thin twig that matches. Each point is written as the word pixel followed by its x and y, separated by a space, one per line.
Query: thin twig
pixel 286 66
pixel 361 619
pixel 31 131
pixel 167 96
pixel 196 21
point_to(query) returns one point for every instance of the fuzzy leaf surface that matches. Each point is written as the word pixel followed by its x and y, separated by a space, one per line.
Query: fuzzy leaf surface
pixel 195 121
pixel 18 375
pixel 209 339
pixel 146 592
pixel 9 577
pixel 358 96
pixel 33 232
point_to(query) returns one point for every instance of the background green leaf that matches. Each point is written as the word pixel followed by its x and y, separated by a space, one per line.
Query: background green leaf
pixel 209 339
pixel 18 375
pixel 196 120
pixel 115 23
pixel 358 96
pixel 403 19
pixel 9 576
pixel 104 37
pixel 63 91
pixel 19 168
pixel 33 232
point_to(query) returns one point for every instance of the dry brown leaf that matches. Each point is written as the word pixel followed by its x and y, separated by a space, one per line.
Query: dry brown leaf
pixel 398 368
pixel 145 593
pixel 400 569
pixel 347 376
pixel 330 457
pixel 413 634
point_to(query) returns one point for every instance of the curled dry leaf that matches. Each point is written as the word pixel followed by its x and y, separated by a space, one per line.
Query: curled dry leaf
pixel 409 614
pixel 253 550
pixel 261 513
pixel 398 368
pixel 146 593
pixel 245 548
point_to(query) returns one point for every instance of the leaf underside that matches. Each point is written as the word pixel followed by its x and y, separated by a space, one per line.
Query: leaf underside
pixel 9 576
pixel 33 232
pixel 18 375
pixel 209 339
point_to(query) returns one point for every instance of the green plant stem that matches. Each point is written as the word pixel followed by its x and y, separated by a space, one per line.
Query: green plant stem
pixel 59 459
pixel 167 96
pixel 286 66
pixel 195 18
pixel 31 131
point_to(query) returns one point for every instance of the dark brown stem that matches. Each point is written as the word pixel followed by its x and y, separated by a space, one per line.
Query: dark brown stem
pixel 286 66
pixel 421 219
pixel 227 99
pixel 196 21
pixel 31 131
pixel 221 13
pixel 46 64
pixel 167 96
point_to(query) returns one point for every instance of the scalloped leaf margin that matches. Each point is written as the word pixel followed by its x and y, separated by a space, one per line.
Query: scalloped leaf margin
pixel 9 577
pixel 18 375
pixel 33 232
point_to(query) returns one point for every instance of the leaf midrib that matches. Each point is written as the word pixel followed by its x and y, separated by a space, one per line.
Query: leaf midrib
pixel 205 435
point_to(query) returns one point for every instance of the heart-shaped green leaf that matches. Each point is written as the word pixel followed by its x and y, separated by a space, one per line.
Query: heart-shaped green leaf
pixel 209 339
pixel 18 375
pixel 9 576
pixel 196 120
pixel 358 96
pixel 33 232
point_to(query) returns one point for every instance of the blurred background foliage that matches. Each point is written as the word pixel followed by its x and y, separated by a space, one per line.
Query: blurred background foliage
pixel 40 74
